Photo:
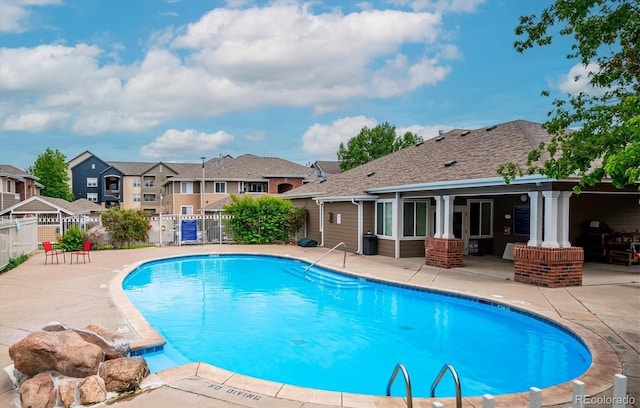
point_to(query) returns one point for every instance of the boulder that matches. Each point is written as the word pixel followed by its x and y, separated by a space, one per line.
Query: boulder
pixel 124 374
pixel 92 390
pixel 115 345
pixel 38 392
pixel 112 344
pixel 67 391
pixel 62 351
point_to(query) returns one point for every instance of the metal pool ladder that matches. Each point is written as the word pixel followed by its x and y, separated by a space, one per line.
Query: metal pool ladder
pixel 344 259
pixel 456 379
pixel 407 383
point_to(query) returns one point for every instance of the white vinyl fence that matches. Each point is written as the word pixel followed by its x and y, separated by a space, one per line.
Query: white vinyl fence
pixel 17 237
pixel 172 229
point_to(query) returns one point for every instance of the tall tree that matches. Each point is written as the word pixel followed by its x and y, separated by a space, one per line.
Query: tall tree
pixel 607 45
pixel 371 144
pixel 51 169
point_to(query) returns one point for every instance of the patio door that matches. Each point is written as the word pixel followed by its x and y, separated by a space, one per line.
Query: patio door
pixel 460 227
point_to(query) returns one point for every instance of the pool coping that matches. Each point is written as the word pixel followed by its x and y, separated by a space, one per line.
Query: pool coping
pixel 597 379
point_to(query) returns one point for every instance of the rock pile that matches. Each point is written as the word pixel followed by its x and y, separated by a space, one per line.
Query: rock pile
pixel 74 366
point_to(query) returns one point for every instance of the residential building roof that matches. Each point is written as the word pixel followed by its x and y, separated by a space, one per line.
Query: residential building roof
pixel 328 167
pixel 247 167
pixel 7 170
pixel 81 206
pixel 453 156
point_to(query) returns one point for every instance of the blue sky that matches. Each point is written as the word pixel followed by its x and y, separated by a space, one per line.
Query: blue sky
pixel 153 80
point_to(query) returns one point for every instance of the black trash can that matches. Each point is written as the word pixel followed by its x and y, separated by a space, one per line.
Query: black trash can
pixel 370 244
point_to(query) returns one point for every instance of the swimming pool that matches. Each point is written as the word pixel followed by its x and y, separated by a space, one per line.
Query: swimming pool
pixel 264 317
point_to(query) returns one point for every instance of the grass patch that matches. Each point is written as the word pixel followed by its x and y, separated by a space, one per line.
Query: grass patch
pixel 13 262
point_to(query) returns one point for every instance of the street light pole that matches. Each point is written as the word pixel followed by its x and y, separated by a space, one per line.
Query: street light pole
pixel 202 198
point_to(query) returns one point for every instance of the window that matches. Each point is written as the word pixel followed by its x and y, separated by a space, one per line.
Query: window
pixel 136 198
pixel 414 219
pixel 480 218
pixel 136 182
pixel 186 209
pixel 92 197
pixel 186 188
pixel 220 187
pixel 92 182
pixel 149 182
pixel 384 218
pixel 248 187
pixel 8 186
pixel 148 198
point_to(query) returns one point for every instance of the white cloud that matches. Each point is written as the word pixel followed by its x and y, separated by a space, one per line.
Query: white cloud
pixel 229 60
pixel 577 80
pixel 427 132
pixel 16 15
pixel 440 5
pixel 322 141
pixel 177 144
pixel 36 121
pixel 255 137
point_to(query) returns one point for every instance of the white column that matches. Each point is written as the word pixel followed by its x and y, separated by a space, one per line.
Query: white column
pixel 439 217
pixel 563 219
pixel 448 217
pixel 550 219
pixel 535 219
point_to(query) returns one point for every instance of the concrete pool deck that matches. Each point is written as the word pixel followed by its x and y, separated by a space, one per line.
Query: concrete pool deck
pixel 605 311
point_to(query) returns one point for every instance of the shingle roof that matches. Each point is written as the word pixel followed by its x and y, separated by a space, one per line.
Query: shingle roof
pixel 476 153
pixel 9 170
pixel 80 206
pixel 246 167
pixel 328 167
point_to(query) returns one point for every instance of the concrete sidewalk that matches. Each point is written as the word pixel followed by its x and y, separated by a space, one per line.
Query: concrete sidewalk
pixel 605 310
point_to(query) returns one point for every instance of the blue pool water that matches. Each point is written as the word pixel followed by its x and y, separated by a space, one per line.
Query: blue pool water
pixel 265 317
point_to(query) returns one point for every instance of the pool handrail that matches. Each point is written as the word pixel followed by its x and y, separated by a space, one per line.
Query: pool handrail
pixel 407 383
pixel 344 259
pixel 456 379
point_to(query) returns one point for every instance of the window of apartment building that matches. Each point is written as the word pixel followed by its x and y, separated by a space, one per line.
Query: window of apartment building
pixel 136 198
pixel 136 182
pixel 92 182
pixel 480 218
pixel 220 186
pixel 248 187
pixel 186 209
pixel 415 218
pixel 92 197
pixel 186 187
pixel 148 198
pixel 384 218
pixel 149 181
pixel 8 190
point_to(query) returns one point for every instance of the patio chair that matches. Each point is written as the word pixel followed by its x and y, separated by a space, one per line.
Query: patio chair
pixel 84 252
pixel 50 252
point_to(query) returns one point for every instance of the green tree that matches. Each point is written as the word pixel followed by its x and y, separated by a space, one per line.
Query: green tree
pixel 51 169
pixel 371 144
pixel 607 142
pixel 126 226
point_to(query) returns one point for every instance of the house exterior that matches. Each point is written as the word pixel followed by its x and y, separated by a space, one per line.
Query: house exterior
pixel 205 187
pixel 96 180
pixel 181 188
pixel 443 199
pixel 16 185
pixel 54 214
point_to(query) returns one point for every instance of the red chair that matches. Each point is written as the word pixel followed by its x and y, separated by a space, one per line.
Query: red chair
pixel 50 252
pixel 84 252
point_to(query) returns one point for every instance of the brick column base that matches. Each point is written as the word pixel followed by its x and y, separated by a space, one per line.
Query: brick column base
pixel 442 252
pixel 549 267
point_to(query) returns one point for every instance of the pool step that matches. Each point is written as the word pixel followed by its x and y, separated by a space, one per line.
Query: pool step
pixel 327 278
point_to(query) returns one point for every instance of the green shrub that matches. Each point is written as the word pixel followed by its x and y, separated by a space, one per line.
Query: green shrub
pixel 264 220
pixel 73 239
pixel 13 262
pixel 126 226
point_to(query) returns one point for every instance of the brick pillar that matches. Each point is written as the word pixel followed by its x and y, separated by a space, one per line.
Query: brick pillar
pixel 442 252
pixel 549 267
